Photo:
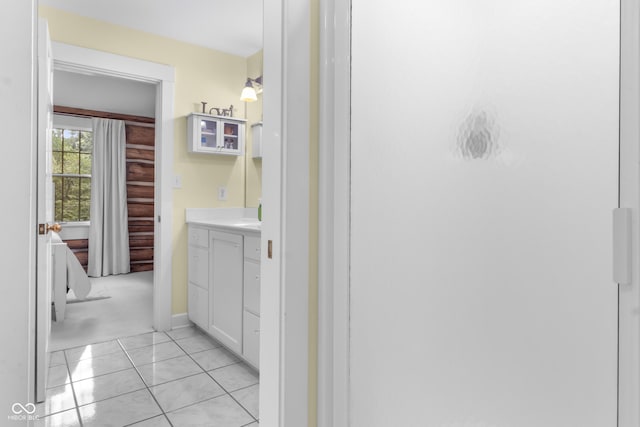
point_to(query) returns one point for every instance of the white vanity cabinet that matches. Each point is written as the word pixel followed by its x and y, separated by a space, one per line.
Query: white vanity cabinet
pixel 198 285
pixel 215 134
pixel 225 288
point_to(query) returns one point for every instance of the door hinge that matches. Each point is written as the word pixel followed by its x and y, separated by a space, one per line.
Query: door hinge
pixel 158 218
pixel 269 249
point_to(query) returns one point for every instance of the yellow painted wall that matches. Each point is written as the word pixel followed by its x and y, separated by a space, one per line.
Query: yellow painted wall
pixel 200 75
pixel 253 115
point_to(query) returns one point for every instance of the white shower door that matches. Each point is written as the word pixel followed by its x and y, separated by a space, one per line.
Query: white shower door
pixel 484 169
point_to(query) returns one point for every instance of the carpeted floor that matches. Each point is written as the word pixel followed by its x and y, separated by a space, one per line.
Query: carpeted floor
pixel 117 306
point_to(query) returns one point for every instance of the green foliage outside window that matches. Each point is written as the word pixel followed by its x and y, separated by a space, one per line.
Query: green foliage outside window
pixel 72 174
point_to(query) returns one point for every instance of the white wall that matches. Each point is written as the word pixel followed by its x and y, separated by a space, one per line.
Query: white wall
pixel 104 93
pixel 17 260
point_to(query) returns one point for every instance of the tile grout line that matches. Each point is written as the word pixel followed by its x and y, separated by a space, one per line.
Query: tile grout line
pixel 121 347
pixel 146 386
pixel 73 389
pixel 214 380
pixel 112 397
pixel 192 375
pixel 46 413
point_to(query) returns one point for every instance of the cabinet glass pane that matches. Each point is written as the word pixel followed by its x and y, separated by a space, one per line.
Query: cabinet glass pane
pixel 208 132
pixel 230 129
pixel 231 136
pixel 231 142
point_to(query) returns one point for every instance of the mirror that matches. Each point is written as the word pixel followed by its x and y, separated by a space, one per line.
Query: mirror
pixel 253 113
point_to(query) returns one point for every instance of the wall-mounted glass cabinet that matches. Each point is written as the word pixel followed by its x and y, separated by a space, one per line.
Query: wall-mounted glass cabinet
pixel 215 134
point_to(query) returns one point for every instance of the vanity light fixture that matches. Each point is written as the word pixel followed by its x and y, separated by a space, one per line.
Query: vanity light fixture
pixel 249 92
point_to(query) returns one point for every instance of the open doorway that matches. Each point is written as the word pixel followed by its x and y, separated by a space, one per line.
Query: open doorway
pixel 287 72
pixel 113 305
pixel 172 177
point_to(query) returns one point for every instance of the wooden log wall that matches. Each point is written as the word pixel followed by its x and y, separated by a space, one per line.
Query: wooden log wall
pixel 80 248
pixel 140 194
pixel 140 155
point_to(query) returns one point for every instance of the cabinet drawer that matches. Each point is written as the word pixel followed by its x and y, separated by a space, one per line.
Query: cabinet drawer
pixel 198 306
pixel 252 247
pixel 199 266
pixel 198 237
pixel 251 339
pixel 252 286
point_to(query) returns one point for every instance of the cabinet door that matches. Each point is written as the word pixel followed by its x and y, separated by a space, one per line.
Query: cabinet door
pixel 208 133
pixel 198 237
pixel 198 306
pixel 225 291
pixel 202 134
pixel 232 137
pixel 252 286
pixel 252 247
pixel 251 339
pixel 199 266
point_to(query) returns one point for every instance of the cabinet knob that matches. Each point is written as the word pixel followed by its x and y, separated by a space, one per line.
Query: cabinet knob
pixel 257 277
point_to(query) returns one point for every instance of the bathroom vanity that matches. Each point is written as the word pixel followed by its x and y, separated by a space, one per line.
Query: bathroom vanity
pixel 224 281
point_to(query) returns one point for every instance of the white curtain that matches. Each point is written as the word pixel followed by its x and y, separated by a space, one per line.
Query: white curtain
pixel 108 230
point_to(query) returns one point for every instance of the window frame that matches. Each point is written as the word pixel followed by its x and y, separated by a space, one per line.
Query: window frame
pixel 71 123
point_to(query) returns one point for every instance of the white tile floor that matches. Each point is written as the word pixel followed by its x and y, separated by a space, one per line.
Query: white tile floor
pixel 182 379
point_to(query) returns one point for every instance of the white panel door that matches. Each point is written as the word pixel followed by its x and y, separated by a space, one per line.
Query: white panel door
pixel 45 207
pixel 484 171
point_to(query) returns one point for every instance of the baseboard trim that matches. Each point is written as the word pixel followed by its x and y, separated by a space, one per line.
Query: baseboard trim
pixel 180 320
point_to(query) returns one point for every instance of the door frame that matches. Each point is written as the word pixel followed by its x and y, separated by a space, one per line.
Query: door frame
pixel 629 197
pixel 334 227
pixel 284 300
pixel 77 59
pixel 284 355
pixel 334 213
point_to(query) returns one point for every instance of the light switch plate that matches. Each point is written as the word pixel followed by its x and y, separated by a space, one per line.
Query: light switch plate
pixel 222 193
pixel 177 181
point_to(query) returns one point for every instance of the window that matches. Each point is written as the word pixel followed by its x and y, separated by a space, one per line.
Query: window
pixel 72 174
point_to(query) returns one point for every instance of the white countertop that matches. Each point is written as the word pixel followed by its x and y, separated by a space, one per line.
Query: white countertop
pixel 239 224
pixel 231 219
